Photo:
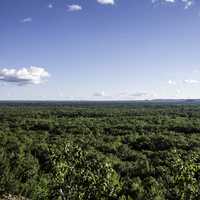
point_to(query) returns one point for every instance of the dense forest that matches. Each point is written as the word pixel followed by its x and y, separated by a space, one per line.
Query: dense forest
pixel 100 150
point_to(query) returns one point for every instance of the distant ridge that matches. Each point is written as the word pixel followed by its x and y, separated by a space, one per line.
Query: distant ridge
pixel 176 100
pixel 99 102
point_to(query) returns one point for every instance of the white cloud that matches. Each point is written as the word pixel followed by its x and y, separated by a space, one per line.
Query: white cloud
pixel 191 81
pixel 167 1
pixel 170 1
pixel 24 76
pixel 25 20
pixel 50 5
pixel 187 3
pixel 134 96
pixel 123 96
pixel 111 2
pixel 171 82
pixel 181 82
pixel 99 94
pixel 143 96
pixel 139 94
pixel 74 7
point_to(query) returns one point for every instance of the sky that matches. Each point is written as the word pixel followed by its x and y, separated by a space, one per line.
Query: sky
pixel 99 49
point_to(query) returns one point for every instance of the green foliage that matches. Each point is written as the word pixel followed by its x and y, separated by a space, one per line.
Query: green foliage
pixel 186 176
pixel 105 151
pixel 80 175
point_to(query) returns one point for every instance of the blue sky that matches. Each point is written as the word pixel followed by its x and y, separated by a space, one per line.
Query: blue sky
pixel 99 49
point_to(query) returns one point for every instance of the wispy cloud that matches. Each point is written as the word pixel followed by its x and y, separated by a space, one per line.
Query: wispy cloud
pixel 50 5
pixel 24 76
pixel 99 94
pixel 160 1
pixel 139 94
pixel 123 96
pixel 74 7
pixel 26 20
pixel 111 2
pixel 170 1
pixel 134 96
pixel 191 81
pixel 183 81
pixel 186 3
pixel 171 82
